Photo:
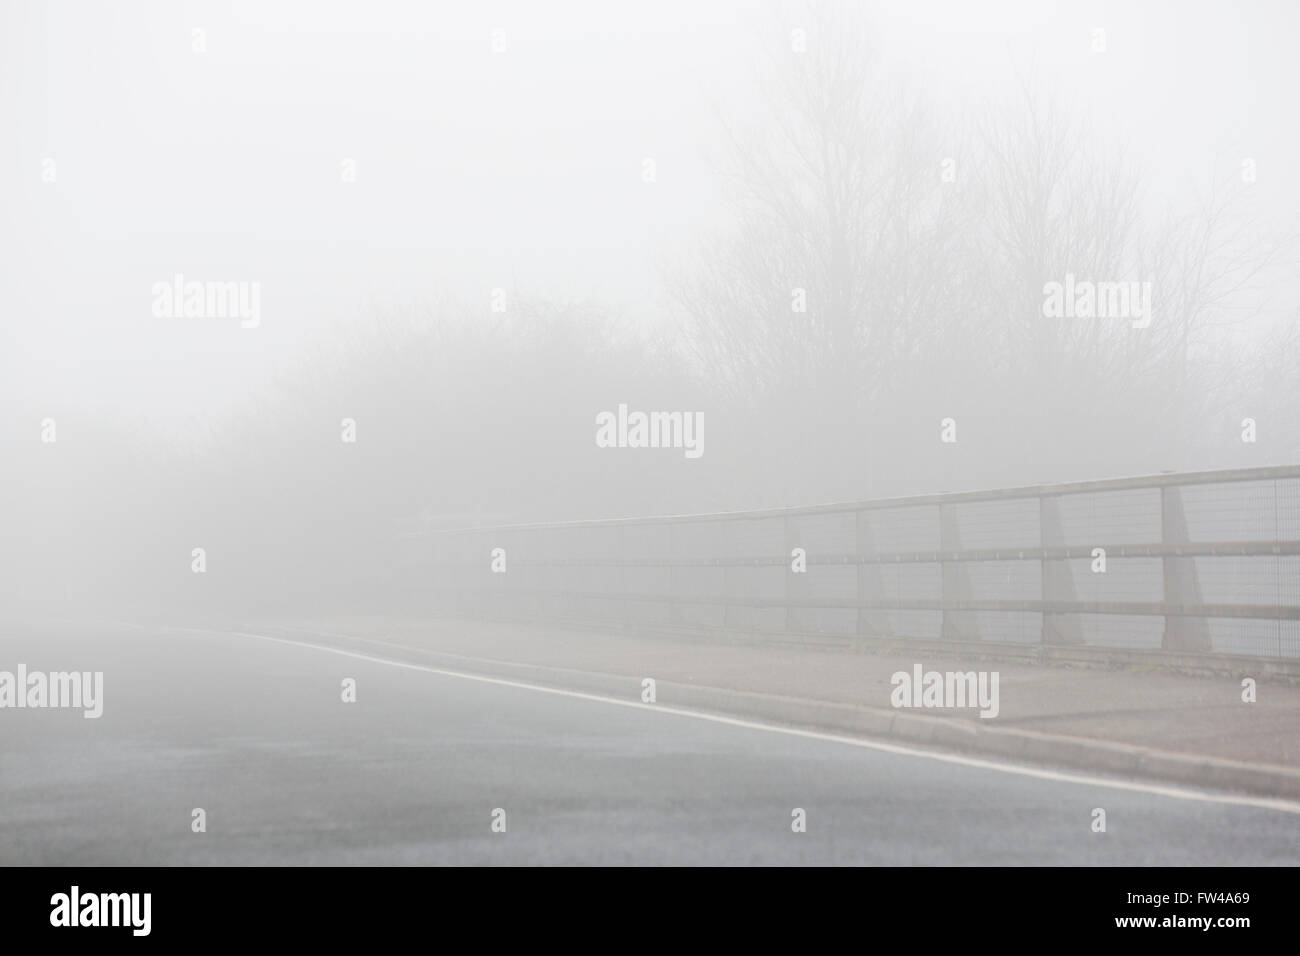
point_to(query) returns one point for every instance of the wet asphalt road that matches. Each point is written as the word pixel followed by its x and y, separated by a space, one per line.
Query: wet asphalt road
pixel 256 734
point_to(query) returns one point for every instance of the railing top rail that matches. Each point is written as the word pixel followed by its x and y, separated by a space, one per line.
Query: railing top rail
pixel 1162 480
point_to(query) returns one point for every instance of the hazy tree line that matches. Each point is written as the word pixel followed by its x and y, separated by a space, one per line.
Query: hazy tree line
pixel 884 270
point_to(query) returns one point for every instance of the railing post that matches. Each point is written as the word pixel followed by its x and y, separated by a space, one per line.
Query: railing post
pixel 786 584
pixel 1057 581
pixel 796 586
pixel 871 622
pixel 672 573
pixel 1182 585
pixel 562 603
pixel 729 572
pixel 438 592
pixel 958 625
pixel 620 555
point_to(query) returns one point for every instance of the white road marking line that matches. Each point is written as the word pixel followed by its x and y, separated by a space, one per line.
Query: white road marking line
pixel 1265 803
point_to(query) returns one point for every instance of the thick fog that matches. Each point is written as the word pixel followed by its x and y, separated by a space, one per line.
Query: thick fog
pixel 286 280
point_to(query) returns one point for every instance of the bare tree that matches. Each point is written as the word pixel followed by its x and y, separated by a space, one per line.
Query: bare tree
pixel 921 251
pixel 829 277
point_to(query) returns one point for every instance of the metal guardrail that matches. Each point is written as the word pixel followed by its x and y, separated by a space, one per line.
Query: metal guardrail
pixel 1198 562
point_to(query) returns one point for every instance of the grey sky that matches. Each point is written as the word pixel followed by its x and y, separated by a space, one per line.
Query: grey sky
pixel 475 169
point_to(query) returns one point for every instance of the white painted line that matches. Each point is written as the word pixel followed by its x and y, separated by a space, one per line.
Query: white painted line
pixel 1264 803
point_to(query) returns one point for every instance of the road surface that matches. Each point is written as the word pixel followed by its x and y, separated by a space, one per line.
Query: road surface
pixel 255 733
